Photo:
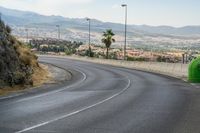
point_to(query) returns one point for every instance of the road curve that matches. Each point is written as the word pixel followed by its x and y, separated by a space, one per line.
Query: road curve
pixel 104 99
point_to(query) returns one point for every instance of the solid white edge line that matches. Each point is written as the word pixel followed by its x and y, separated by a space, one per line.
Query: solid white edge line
pixel 11 96
pixel 76 112
pixel 84 78
pixel 52 92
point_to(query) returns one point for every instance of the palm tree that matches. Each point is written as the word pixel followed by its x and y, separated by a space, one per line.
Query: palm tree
pixel 108 39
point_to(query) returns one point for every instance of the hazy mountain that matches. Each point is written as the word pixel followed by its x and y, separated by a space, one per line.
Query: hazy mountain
pixel 76 29
pixel 168 30
pixel 26 18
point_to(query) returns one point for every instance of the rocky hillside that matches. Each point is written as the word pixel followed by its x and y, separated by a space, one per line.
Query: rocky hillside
pixel 17 63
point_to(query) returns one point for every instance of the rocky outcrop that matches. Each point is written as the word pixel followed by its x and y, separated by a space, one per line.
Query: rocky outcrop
pixel 17 63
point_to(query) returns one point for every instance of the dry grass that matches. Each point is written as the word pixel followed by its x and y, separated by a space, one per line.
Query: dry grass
pixel 41 75
pixel 28 60
pixel 26 56
pixel 8 90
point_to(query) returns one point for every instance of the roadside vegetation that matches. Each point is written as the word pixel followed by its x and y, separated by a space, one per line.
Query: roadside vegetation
pixel 54 45
pixel 18 65
pixel 108 40
pixel 104 50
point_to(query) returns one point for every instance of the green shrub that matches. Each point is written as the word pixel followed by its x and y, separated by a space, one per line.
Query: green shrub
pixel 89 53
pixel 136 59
pixel 8 29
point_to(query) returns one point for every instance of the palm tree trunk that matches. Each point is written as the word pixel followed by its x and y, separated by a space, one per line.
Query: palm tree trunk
pixel 107 53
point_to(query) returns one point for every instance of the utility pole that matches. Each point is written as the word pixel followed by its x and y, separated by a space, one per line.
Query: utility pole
pixel 26 35
pixel 88 19
pixel 0 16
pixel 183 58
pixel 125 6
pixel 58 26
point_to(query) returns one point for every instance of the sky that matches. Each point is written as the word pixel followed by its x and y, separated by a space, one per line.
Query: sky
pixel 150 12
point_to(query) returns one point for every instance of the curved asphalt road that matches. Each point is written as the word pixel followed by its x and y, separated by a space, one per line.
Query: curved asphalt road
pixel 104 99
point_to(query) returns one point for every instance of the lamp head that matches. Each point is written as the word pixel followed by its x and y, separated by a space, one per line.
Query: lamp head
pixel 124 5
pixel 88 19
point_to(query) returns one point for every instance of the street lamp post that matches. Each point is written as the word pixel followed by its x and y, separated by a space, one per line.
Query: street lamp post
pixel 125 6
pixel 0 17
pixel 88 19
pixel 58 26
pixel 26 35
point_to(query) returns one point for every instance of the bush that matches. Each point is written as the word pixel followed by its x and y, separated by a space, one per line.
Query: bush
pixel 19 78
pixel 8 29
pixel 161 59
pixel 17 62
pixel 136 59
pixel 70 51
pixel 89 53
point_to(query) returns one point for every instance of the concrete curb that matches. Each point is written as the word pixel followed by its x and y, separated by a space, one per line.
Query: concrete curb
pixel 176 70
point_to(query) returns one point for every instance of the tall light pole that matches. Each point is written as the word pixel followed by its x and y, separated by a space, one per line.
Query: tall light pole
pixel 26 35
pixel 125 6
pixel 58 26
pixel 0 16
pixel 88 19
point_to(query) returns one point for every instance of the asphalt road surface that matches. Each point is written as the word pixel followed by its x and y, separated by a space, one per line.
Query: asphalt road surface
pixel 104 99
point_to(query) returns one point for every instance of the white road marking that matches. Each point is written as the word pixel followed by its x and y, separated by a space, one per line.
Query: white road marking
pixel 76 112
pixel 11 96
pixel 84 78
pixel 52 92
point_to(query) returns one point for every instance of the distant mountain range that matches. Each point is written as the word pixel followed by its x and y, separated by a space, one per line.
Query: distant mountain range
pixel 76 29
pixel 26 18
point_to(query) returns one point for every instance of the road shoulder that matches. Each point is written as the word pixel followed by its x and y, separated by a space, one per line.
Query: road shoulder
pixel 54 75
